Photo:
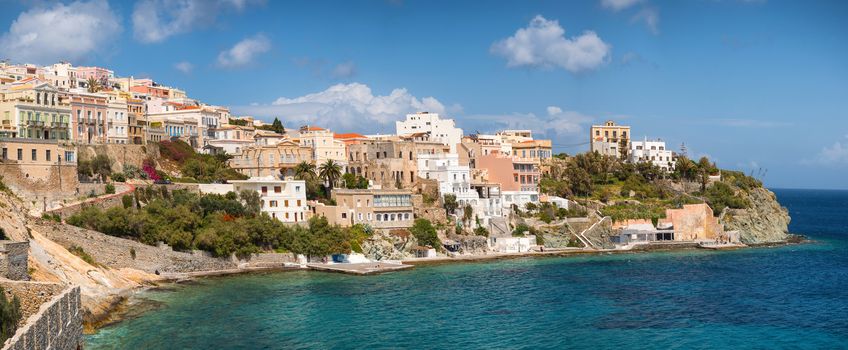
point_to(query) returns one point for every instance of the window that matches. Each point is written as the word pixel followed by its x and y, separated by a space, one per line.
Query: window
pixel 278 189
pixel 47 155
pixel 272 204
pixel 369 216
pixel 5 153
pixel 34 155
pixel 597 133
pixel 298 202
pixel 297 189
pixel 359 216
pixel 264 190
pixel 286 203
pixel 379 217
pixel 287 215
pixel 344 215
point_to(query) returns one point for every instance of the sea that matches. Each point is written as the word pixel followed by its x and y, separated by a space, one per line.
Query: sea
pixel 785 297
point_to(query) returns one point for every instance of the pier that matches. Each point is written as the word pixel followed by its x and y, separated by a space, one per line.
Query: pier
pixel 370 268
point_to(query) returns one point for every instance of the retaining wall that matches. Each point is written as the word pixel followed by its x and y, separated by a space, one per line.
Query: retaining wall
pixel 53 319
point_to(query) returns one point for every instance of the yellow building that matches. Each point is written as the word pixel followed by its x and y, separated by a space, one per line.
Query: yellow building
pixel 610 139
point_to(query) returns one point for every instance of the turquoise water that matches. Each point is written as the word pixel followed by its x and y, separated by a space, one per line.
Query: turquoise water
pixel 785 297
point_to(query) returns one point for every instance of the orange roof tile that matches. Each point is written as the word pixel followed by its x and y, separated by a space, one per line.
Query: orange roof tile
pixel 350 135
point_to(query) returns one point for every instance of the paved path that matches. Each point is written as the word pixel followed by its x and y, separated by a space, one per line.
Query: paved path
pixel 360 268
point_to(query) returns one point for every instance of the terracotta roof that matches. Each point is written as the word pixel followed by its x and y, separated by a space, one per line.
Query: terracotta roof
pixel 350 135
pixel 315 128
pixel 189 107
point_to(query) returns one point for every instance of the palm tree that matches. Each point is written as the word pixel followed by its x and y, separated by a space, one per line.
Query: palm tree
pixel 93 85
pixel 304 171
pixel 330 171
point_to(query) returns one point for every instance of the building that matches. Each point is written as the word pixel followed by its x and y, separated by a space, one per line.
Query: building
pixel 441 130
pixel 117 118
pixel 284 200
pixel 42 171
pixel 693 222
pixel 654 152
pixel 34 110
pixel 390 164
pixel 272 160
pixel 136 121
pixel 323 144
pixel 610 139
pixel 88 116
pixel 512 244
pixel 455 179
pixel 231 139
pixel 377 208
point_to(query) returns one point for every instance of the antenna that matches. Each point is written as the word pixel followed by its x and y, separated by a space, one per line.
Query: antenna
pixel 684 150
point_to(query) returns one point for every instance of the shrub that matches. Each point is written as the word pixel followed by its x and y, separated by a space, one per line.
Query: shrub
pixel 3 234
pixel 424 231
pixel 481 231
pixel 132 253
pixel 127 201
pixel 119 177
pixel 10 316
pixel 521 229
pixel 78 251
pixel 110 188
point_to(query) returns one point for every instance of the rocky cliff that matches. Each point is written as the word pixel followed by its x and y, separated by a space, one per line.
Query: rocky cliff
pixel 766 221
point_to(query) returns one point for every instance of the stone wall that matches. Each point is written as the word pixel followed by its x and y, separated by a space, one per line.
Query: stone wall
pixel 13 260
pixel 120 155
pixel 104 202
pixel 43 186
pixel 53 319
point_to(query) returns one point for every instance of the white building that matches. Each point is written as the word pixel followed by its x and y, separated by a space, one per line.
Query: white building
pixel 441 130
pixel 284 200
pixel 117 119
pixel 512 244
pixel 654 152
pixel 519 199
pixel 455 179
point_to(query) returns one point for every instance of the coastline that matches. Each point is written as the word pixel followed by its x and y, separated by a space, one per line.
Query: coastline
pixel 129 305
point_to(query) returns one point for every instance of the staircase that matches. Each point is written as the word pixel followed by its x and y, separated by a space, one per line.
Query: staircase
pixel 499 227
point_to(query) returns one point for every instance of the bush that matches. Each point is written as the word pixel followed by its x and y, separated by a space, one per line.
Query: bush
pixel 481 231
pixel 78 251
pixel 424 231
pixel 10 316
pixel 51 217
pixel 110 188
pixel 119 177
pixel 3 234
pixel 521 229
pixel 720 196
pixel 127 201
pixel 132 253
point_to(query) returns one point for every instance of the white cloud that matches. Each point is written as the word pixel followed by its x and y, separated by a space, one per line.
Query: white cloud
pixel 244 52
pixel 651 17
pixel 156 20
pixel 557 124
pixel 618 5
pixel 543 44
pixel 184 66
pixel 73 32
pixel 344 70
pixel 346 107
pixel 834 154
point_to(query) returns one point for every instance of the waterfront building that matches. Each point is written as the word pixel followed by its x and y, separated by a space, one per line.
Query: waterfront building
pixel 455 179
pixel 653 151
pixel 33 109
pixel 692 222
pixel 377 208
pixel 610 139
pixel 441 130
pixel 284 200
pixel 268 138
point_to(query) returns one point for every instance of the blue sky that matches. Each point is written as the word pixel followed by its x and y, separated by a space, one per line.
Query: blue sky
pixel 759 86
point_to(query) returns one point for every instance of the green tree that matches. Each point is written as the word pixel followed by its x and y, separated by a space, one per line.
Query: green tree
pixel 425 233
pixel 251 201
pixel 467 212
pixel 93 85
pixel 330 172
pixel 101 165
pixel 450 203
pixel 304 171
pixel 354 181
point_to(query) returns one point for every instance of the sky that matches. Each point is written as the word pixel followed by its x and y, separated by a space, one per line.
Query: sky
pixel 757 86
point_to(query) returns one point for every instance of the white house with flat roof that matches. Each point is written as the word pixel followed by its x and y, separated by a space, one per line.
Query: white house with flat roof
pixel 284 200
pixel 441 130
pixel 653 151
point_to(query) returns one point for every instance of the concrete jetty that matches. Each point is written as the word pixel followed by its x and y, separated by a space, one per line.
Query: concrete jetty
pixel 360 268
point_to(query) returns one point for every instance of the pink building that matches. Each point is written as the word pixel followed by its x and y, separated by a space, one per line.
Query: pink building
pixel 88 118
pixel 500 170
pixel 100 74
pixel 150 90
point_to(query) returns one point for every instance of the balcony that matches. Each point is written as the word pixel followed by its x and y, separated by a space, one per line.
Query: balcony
pixel 59 125
pixel 33 123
